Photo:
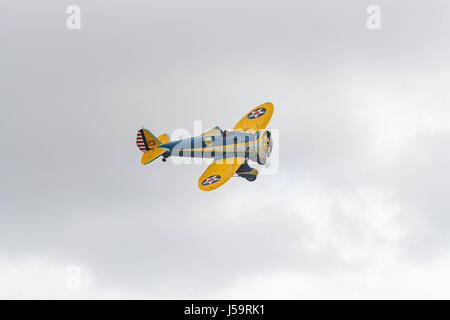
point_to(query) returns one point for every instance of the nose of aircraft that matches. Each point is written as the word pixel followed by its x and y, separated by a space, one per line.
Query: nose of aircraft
pixel 267 142
pixel 269 149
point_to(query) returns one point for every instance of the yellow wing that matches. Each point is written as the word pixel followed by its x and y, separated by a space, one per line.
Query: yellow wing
pixel 256 119
pixel 219 172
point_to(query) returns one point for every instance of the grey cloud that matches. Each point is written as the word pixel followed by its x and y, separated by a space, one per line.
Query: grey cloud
pixel 356 158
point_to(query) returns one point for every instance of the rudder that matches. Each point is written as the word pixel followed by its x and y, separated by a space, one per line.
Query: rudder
pixel 145 140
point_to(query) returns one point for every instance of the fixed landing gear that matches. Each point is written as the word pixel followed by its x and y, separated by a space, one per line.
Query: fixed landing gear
pixel 165 155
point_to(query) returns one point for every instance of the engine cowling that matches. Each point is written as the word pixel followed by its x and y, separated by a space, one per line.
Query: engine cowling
pixel 262 145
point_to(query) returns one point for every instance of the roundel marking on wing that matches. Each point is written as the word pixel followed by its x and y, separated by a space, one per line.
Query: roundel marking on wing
pixel 256 113
pixel 211 180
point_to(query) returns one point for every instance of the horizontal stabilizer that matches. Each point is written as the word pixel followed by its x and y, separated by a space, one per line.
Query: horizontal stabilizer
pixel 164 138
pixel 152 154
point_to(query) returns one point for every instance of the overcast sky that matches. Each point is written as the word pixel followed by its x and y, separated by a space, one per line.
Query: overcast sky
pixel 358 209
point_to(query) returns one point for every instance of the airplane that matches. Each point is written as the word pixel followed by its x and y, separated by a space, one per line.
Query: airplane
pixel 231 150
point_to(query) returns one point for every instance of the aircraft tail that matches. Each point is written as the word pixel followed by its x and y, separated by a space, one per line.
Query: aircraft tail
pixel 150 145
pixel 153 154
pixel 145 140
pixel 164 138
